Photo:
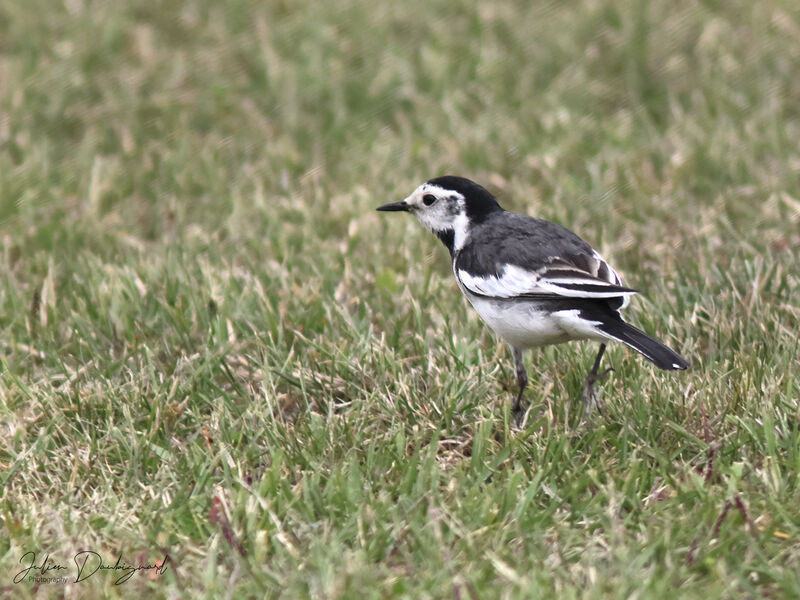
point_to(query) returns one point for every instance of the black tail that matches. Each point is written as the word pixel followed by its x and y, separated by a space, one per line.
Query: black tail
pixel 653 350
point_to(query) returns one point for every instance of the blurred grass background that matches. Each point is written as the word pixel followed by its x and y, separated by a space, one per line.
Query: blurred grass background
pixel 212 347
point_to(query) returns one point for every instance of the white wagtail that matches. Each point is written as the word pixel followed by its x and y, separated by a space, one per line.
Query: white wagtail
pixel 533 282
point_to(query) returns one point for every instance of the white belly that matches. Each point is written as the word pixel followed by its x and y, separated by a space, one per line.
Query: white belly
pixel 525 325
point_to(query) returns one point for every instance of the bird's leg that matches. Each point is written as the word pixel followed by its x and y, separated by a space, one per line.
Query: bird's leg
pixel 522 380
pixel 590 395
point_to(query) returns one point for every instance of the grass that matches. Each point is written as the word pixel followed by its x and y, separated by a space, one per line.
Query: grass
pixel 212 347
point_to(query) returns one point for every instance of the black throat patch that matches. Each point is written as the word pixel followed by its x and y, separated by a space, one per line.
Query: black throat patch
pixel 448 239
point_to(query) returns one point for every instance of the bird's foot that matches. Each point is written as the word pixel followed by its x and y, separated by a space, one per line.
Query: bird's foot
pixel 590 394
pixel 519 416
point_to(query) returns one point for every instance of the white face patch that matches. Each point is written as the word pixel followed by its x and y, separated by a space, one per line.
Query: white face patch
pixel 447 211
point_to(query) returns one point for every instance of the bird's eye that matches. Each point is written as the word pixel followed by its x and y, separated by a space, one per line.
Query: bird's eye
pixel 428 199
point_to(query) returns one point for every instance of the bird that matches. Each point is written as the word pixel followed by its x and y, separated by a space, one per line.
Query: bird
pixel 533 282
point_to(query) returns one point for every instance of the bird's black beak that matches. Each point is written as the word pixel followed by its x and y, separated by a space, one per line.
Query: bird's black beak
pixel 395 206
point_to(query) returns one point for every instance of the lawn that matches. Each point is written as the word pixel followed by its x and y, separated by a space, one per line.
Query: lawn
pixel 212 348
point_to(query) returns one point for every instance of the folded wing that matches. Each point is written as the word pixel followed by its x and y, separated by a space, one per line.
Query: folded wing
pixel 582 276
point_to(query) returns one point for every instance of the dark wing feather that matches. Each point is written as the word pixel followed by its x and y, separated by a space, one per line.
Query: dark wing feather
pixel 515 256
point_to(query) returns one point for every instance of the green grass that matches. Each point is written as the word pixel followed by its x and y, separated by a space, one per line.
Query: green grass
pixel 212 347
